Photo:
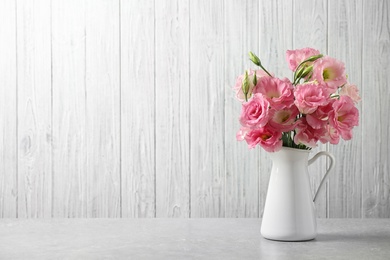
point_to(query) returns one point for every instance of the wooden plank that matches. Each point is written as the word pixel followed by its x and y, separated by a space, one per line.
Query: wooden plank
pixel 96 101
pixel 172 108
pixel 34 108
pixel 8 111
pixel 241 164
pixel 275 37
pixel 312 33
pixel 375 109
pixel 345 43
pixel 207 109
pixel 103 108
pixel 69 108
pixel 138 108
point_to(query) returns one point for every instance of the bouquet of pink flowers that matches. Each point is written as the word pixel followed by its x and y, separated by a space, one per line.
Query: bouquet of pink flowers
pixel 318 105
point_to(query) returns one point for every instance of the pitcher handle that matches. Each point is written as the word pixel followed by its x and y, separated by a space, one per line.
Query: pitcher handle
pixel 331 166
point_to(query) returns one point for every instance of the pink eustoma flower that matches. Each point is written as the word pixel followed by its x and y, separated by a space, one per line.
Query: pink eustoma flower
pixel 315 122
pixel 331 135
pixel 344 117
pixel 284 119
pixel 279 93
pixel 240 136
pixel 307 135
pixel 266 137
pixel 310 96
pixel 238 86
pixel 296 57
pixel 350 91
pixel 255 113
pixel 331 72
pixel 319 118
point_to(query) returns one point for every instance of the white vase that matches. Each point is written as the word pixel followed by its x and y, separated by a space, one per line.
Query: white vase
pixel 289 212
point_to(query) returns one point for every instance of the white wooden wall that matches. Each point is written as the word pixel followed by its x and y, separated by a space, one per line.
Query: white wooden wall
pixel 125 109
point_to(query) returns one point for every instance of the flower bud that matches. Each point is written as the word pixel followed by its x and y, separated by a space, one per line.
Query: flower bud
pixel 313 58
pixel 306 71
pixel 254 59
pixel 245 85
pixel 255 79
pixel 299 72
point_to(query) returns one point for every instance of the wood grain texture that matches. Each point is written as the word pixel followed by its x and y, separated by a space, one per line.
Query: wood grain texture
pixel 375 109
pixel 172 108
pixel 125 108
pixel 34 108
pixel 275 37
pixel 345 43
pixel 311 30
pixel 241 163
pixel 103 108
pixel 69 109
pixel 138 108
pixel 207 108
pixel 8 111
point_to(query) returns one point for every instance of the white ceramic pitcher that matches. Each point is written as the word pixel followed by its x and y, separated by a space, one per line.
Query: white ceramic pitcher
pixel 289 212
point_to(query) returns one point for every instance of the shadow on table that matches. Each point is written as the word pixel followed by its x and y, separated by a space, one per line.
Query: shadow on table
pixel 339 237
pixel 331 237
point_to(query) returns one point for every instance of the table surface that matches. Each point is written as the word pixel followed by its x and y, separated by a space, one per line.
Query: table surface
pixel 186 239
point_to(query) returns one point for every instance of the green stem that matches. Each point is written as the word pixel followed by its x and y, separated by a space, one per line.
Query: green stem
pixel 261 66
pixel 295 83
pixel 289 139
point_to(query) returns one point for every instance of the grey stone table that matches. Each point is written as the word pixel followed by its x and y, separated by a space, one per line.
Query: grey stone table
pixel 186 239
